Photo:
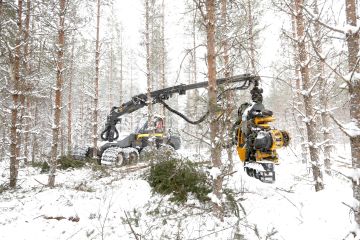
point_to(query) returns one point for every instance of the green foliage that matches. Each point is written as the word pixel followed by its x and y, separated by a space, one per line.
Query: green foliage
pixel 66 162
pixel 177 177
pixel 3 188
pixel 44 166
pixel 102 170
pixel 231 204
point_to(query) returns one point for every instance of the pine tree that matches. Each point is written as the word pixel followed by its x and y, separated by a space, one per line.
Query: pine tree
pixel 15 76
pixel 58 93
pixel 212 104
pixel 310 116
pixel 96 82
pixel 352 39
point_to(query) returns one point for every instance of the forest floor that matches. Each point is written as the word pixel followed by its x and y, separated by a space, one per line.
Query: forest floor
pixel 118 203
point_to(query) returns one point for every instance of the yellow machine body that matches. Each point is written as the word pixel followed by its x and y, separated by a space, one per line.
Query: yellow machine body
pixel 241 150
pixel 277 136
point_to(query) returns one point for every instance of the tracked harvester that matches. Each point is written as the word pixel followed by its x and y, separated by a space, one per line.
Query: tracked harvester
pixel 128 149
pixel 256 141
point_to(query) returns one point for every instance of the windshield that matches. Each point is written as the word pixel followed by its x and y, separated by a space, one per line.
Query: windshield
pixel 141 125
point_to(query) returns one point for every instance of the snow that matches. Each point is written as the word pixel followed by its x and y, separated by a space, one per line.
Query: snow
pixel 306 120
pixel 350 29
pixel 106 205
pixel 214 172
pixel 355 176
pixel 352 77
pixel 352 129
pixel 214 198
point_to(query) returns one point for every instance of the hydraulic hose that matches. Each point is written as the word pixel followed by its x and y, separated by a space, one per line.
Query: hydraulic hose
pixel 183 116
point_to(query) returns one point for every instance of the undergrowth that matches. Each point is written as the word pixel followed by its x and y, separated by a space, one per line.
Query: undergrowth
pixel 179 178
pixel 66 162
pixel 44 166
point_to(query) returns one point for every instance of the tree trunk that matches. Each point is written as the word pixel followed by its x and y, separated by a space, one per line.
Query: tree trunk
pixel 3 141
pixel 297 99
pixel 110 78
pixel 131 89
pixel 14 161
pixel 34 147
pixel 320 69
pixel 194 96
pixel 121 74
pixel 308 99
pixel 148 73
pixel 251 39
pixel 212 94
pixel 162 69
pixel 352 39
pixel 21 108
pixel 97 73
pixel 27 72
pixel 229 94
pixel 121 71
pixel 70 93
pixel 59 84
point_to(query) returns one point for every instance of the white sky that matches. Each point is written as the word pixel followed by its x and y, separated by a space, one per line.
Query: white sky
pixel 131 15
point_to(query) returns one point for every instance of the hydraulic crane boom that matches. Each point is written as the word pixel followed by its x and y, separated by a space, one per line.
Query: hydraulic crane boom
pixel 139 101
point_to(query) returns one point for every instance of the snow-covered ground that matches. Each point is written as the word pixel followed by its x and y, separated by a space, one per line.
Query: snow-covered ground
pixel 90 204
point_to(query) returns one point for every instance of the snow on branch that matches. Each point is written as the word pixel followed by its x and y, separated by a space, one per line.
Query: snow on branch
pixel 355 176
pixel 316 18
pixel 350 129
pixel 352 77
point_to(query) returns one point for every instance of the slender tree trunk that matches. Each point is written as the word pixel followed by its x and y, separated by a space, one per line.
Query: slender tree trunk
pixel 97 73
pixel 121 72
pixel 110 79
pixel 308 100
pixel 194 97
pixel 229 95
pixel 62 144
pixel 352 39
pixel 14 161
pixel 212 94
pixel 35 140
pixel 59 84
pixel 297 101
pixel 82 103
pixel 21 108
pixel 70 93
pixel 131 91
pixel 148 73
pixel 320 69
pixel 35 144
pixel 251 39
pixel 162 70
pixel 27 72
pixel 4 142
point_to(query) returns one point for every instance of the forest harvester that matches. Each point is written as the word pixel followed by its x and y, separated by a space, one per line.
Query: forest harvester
pixel 256 141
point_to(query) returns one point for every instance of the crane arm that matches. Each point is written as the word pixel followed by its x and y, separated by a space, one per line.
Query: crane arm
pixel 137 102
